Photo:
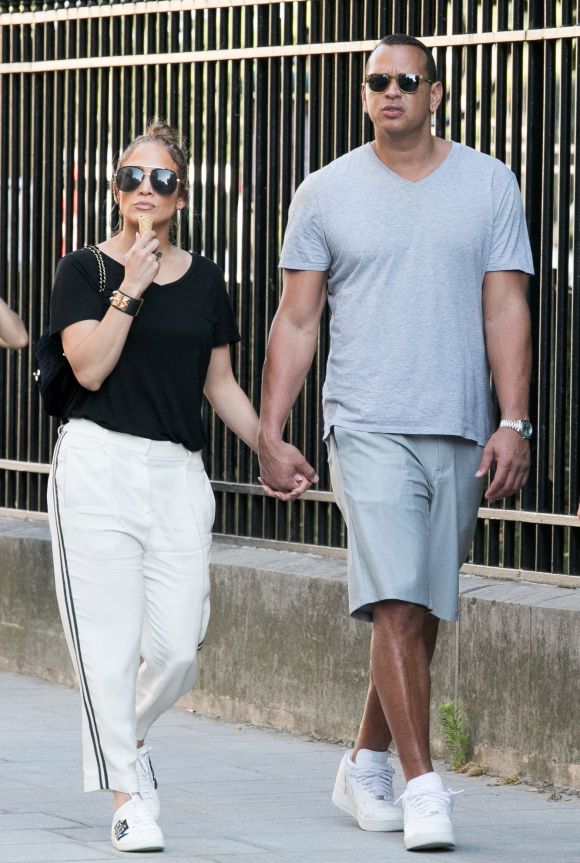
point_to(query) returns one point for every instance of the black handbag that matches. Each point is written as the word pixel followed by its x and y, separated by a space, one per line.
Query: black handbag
pixel 54 376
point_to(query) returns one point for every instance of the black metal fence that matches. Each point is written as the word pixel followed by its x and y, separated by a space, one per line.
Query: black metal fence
pixel 265 92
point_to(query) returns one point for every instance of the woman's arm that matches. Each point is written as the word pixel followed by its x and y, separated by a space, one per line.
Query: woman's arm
pixel 93 347
pixel 12 331
pixel 228 399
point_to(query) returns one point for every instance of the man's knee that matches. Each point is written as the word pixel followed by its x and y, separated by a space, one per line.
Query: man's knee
pixel 398 617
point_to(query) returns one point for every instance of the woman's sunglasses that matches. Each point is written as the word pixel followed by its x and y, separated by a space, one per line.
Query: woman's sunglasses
pixel 163 180
pixel 407 82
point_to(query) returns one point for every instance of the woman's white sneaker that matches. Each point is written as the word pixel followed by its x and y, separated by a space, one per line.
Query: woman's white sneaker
pixel 365 791
pixel 427 811
pixel 147 780
pixel 134 829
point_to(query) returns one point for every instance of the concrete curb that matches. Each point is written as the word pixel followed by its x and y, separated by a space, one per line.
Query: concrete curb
pixel 281 651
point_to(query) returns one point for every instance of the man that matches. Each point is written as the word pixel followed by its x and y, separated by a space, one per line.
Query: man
pixel 12 331
pixel 421 246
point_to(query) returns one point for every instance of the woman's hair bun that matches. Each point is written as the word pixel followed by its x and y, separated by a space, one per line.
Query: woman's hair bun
pixel 160 129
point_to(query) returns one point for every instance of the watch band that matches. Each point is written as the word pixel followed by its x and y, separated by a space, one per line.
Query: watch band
pixel 125 303
pixel 522 427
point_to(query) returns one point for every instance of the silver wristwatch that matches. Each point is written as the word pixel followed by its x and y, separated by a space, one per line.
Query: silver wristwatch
pixel 523 427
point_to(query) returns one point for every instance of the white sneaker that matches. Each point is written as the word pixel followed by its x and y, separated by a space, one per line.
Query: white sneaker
pixel 134 829
pixel 365 791
pixel 428 816
pixel 147 781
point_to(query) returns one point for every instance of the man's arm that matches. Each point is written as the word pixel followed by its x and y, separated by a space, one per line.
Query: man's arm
pixel 12 331
pixel 506 318
pixel 291 346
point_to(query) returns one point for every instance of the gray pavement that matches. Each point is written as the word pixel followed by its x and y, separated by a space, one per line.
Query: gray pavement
pixel 235 794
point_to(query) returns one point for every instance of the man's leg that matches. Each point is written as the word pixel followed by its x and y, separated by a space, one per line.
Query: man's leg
pixel 410 521
pixel 400 667
pixel 402 647
pixel 374 732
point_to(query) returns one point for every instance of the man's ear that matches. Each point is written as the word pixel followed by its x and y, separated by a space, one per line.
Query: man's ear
pixel 363 95
pixel 436 96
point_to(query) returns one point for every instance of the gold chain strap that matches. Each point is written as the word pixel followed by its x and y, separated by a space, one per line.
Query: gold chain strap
pixel 101 265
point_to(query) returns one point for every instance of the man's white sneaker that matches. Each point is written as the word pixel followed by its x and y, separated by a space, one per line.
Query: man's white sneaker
pixel 427 812
pixel 134 829
pixel 365 791
pixel 147 781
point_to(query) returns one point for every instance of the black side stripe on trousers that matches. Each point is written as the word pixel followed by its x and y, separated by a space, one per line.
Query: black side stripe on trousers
pixel 72 622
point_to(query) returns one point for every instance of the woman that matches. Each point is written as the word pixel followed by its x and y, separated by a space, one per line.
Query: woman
pixel 146 328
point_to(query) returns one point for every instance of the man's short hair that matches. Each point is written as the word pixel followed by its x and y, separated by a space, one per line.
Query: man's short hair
pixel 403 39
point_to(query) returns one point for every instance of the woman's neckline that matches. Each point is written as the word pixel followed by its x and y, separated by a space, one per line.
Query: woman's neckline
pixel 159 284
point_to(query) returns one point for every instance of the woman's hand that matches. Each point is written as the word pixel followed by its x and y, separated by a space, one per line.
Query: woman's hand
pixel 141 265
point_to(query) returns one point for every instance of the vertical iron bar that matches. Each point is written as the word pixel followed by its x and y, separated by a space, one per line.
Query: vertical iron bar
pixel 260 227
pixel 272 226
pixel 535 543
pixel 441 61
pixel 237 456
pixel 246 275
pixel 174 22
pixel 574 377
pixel 5 189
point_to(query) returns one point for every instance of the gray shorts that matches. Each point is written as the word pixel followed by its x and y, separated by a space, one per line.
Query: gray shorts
pixel 410 505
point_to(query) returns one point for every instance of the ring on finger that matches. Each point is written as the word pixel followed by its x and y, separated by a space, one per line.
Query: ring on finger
pixel 157 255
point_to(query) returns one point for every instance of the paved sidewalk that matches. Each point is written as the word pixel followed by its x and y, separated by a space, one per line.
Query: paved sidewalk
pixel 234 794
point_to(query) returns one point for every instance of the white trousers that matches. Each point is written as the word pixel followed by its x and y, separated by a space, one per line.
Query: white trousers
pixel 131 521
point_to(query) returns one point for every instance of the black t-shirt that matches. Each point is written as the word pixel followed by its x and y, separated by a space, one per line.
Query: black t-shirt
pixel 155 390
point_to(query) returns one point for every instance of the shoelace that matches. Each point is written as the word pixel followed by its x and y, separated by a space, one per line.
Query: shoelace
pixel 378 781
pixel 147 781
pixel 429 802
pixel 138 815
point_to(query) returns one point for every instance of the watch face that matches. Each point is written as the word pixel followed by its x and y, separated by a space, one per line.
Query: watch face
pixel 527 429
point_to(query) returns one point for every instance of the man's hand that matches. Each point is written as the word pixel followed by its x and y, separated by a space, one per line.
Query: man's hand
pixel 284 472
pixel 511 454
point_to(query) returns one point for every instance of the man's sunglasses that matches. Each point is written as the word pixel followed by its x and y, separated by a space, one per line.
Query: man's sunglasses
pixel 407 82
pixel 163 180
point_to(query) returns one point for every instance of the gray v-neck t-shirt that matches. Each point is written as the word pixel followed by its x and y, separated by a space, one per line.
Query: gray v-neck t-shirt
pixel 405 263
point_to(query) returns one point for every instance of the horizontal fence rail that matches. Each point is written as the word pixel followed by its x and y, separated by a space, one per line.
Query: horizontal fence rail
pixel 488 512
pixel 273 51
pixel 264 93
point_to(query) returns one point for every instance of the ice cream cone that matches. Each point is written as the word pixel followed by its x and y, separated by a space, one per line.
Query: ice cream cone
pixel 145 224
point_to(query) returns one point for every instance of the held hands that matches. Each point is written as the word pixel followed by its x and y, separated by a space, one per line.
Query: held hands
pixel 511 454
pixel 141 264
pixel 285 473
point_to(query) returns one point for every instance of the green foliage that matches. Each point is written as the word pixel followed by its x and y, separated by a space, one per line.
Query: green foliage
pixel 453 723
